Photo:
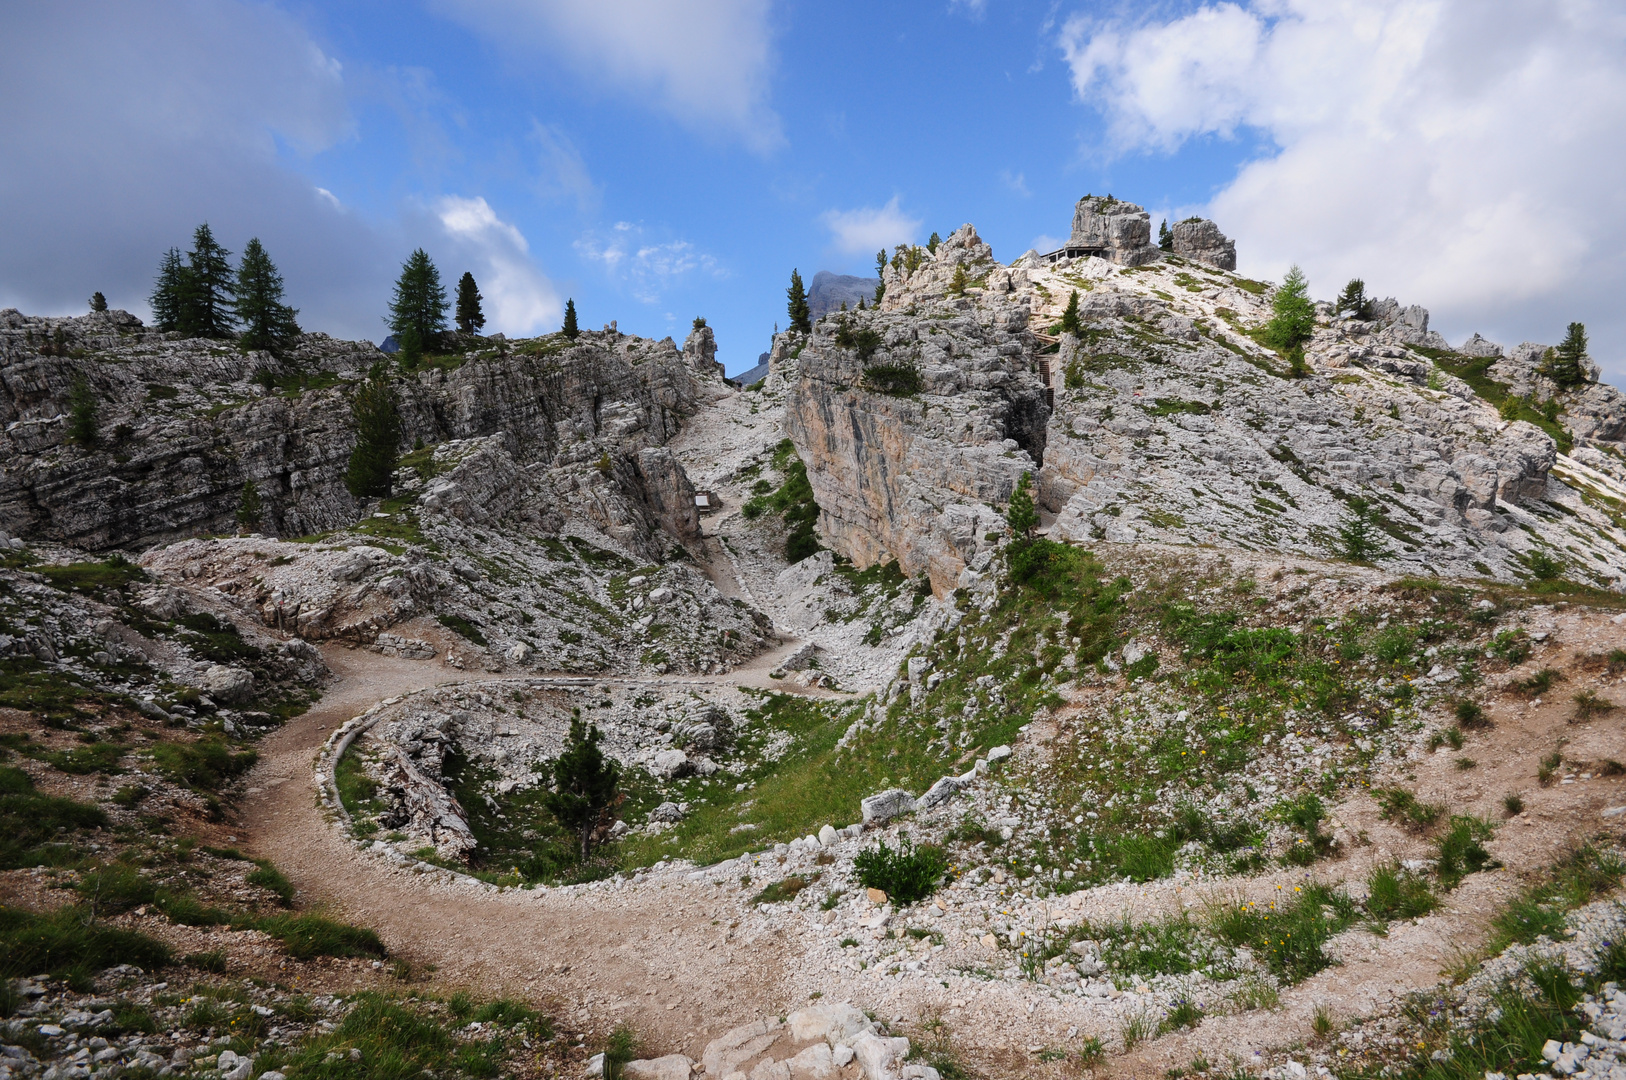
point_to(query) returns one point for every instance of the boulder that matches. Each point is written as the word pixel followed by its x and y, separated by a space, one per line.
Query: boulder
pixel 671 764
pixel 887 805
pixel 879 1057
pixel 828 835
pixel 941 792
pixel 813 1063
pixel 998 754
pixel 837 1023
pixel 670 1067
pixel 667 811
pixel 231 685
pixel 733 1048
pixel 1200 239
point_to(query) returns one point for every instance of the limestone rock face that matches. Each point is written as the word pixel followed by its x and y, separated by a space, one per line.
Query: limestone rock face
pixel 1201 239
pixel 1165 422
pixel 1121 230
pixel 913 476
pixel 184 423
pixel 700 351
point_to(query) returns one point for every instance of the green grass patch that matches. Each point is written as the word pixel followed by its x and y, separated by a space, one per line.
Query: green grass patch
pixel 38 829
pixel 69 943
pixel 1580 877
pixel 306 936
pixel 462 627
pixel 205 765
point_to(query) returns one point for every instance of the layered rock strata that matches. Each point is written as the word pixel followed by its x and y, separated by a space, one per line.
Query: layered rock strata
pixel 183 424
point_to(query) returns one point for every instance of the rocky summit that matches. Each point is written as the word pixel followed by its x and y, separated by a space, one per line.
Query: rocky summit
pixel 1099 663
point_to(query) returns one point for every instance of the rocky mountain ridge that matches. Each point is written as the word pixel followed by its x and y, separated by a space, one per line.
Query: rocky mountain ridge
pixel 1165 419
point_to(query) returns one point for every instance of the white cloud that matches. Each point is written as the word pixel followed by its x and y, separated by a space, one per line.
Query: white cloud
pixel 1017 182
pixel 706 62
pixel 868 229
pixel 518 299
pixel 1462 154
pixel 646 267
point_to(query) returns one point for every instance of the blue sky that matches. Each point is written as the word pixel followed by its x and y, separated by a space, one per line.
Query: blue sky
pixel 657 161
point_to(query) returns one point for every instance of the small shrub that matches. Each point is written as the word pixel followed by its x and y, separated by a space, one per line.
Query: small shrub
pixel 1092 1051
pixel 780 891
pixel 1460 850
pixel 1463 764
pixel 620 1048
pixel 1395 893
pixel 1322 1025
pixel 907 875
pixel 1470 715
pixel 1548 768
pixel 895 380
pixel 1588 704
pixel 213 961
pixel 1512 646
pixel 1513 803
pixel 1539 683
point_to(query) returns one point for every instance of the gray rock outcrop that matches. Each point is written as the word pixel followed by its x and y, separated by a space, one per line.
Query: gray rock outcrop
pixel 184 423
pixel 1166 422
pixel 1201 239
pixel 910 476
pixel 1120 231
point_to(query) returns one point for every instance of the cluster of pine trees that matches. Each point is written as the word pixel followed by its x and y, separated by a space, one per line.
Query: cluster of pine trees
pixel 200 295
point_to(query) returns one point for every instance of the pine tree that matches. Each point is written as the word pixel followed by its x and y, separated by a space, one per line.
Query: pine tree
pixel 169 292
pixel 98 302
pixel 1294 319
pixel 207 306
pixel 1358 538
pixel 1070 321
pixel 378 436
pixel 1165 236
pixel 250 508
pixel 1353 300
pixel 268 323
pixel 570 330
pixel 801 317
pixel 880 274
pixel 1021 515
pixel 957 285
pixel 83 415
pixel 469 316
pixel 419 303
pixel 1566 364
pixel 931 245
pixel 584 785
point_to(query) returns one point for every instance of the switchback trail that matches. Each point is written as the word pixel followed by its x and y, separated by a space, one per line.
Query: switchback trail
pixel 659 958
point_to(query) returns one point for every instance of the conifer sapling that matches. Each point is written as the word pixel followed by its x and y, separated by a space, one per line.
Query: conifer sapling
pixel 1071 323
pixel 98 302
pixel 570 329
pixel 469 316
pixel 250 508
pixel 1021 515
pixel 378 436
pixel 1566 363
pixel 801 316
pixel 83 414
pixel 584 785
